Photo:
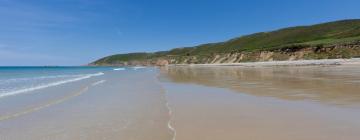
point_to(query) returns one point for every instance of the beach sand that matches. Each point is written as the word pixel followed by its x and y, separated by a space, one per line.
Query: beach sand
pixel 125 105
pixel 257 103
pixel 215 114
pixel 192 103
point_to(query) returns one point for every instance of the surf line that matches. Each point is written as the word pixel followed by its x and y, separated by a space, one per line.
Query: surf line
pixel 13 93
pixel 172 129
pixel 51 103
pixel 168 107
pixel 98 82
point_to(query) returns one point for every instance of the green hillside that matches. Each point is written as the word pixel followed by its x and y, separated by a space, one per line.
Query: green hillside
pixel 326 33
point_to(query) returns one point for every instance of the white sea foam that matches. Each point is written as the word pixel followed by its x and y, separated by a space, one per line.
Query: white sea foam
pixel 98 82
pixel 138 67
pixel 25 90
pixel 118 69
pixel 172 129
pixel 5 81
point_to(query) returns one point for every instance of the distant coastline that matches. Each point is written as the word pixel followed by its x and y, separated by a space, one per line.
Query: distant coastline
pixel 332 40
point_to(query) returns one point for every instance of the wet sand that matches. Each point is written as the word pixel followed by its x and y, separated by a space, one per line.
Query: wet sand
pixel 119 105
pixel 272 103
pixel 192 103
pixel 324 84
pixel 215 114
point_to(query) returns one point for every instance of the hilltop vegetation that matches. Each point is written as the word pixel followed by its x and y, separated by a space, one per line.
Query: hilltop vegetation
pixel 320 35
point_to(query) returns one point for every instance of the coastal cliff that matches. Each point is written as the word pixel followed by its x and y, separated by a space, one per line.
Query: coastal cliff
pixel 333 40
pixel 285 54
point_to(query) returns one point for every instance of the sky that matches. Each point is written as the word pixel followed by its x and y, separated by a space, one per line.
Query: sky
pixel 76 32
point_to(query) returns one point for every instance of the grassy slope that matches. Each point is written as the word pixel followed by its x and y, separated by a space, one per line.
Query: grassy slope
pixel 326 33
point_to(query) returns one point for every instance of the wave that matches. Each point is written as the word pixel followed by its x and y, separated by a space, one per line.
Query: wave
pixel 39 78
pixel 16 92
pixel 98 82
pixel 136 68
pixel 117 69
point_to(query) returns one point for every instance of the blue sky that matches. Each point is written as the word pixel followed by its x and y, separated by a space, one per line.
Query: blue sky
pixel 75 32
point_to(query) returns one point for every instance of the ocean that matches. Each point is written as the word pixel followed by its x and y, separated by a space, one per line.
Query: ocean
pixel 19 80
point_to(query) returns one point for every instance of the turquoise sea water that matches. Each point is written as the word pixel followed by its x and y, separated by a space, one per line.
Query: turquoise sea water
pixel 17 80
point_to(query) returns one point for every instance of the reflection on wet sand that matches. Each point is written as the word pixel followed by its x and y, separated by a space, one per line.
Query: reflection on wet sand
pixel 338 85
pixel 306 103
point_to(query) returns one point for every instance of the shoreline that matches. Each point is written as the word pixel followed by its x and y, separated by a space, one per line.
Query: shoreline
pixel 319 62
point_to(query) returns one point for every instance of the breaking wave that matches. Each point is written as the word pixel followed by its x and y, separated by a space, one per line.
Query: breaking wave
pixel 19 90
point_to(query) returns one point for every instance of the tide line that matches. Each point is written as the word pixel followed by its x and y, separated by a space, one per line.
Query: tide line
pixel 170 112
pixel 172 129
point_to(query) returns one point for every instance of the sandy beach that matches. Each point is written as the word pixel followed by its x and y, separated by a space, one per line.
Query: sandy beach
pixel 190 103
pixel 117 105
pixel 274 103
